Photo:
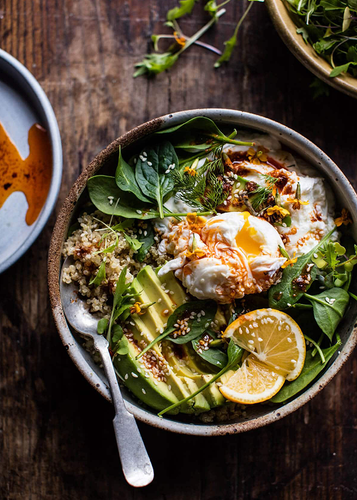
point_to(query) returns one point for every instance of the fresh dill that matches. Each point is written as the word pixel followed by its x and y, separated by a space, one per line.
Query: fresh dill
pixel 201 186
pixel 261 194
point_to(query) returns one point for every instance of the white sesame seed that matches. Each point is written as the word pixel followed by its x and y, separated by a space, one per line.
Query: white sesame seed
pixel 126 376
pixel 135 375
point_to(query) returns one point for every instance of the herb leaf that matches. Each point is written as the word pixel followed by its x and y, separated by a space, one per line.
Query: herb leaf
pixel 104 194
pixel 125 178
pixel 197 325
pixel 329 308
pixel 310 371
pixel 185 7
pixel 200 125
pixel 153 172
pixel 213 356
pixel 100 276
pixel 146 240
pixel 232 42
pixel 284 294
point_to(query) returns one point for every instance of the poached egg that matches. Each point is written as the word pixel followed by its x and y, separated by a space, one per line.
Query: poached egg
pixel 223 258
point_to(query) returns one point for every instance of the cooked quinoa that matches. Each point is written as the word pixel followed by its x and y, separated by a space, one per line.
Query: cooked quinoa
pixel 85 245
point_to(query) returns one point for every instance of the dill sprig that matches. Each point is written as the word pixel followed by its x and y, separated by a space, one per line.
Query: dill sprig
pixel 202 188
pixel 262 193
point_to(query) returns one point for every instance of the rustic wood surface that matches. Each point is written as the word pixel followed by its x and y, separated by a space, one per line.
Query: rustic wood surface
pixel 55 430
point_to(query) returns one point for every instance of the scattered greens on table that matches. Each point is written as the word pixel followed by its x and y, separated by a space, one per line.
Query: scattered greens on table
pixel 331 28
pixel 157 62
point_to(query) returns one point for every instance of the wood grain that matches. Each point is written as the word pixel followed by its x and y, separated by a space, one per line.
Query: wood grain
pixel 55 431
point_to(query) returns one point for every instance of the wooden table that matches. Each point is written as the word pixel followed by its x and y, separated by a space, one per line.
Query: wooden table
pixel 56 433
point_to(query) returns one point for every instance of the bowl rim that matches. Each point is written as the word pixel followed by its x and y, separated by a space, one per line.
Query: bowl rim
pixel 54 265
pixel 304 52
pixel 25 77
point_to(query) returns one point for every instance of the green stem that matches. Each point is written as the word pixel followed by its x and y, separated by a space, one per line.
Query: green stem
pixel 323 302
pixel 313 354
pixel 200 32
pixel 207 384
pixel 216 343
pixel 225 140
pixel 317 347
pixel 155 341
pixel 353 295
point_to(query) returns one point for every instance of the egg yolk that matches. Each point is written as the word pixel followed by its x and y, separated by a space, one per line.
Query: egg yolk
pixel 246 241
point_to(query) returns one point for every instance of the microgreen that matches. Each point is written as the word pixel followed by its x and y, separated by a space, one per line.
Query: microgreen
pixel 156 63
pixel 185 7
pixel 197 324
pixel 286 293
pixel 330 27
pixel 312 367
pixel 100 276
pixel 232 42
pixel 234 354
pixel 146 238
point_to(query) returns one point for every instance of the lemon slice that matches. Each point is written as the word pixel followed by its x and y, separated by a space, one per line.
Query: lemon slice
pixel 273 337
pixel 252 383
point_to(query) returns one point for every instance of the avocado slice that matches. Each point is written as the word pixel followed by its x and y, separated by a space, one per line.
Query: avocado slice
pixel 149 325
pixel 141 381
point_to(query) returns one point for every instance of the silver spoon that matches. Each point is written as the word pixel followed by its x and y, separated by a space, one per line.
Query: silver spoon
pixel 135 461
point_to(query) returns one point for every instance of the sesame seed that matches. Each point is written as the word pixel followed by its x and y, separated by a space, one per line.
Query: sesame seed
pixel 135 375
pixel 126 376
pixel 144 392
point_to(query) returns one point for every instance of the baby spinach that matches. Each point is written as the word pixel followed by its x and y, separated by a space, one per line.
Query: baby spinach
pixel 146 239
pixel 285 293
pixel 200 125
pixel 109 199
pixel 100 276
pixel 310 371
pixel 234 354
pixel 153 172
pixel 329 308
pixel 213 356
pixel 125 178
pixel 197 325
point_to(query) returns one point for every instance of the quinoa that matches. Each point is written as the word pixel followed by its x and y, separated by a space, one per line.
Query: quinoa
pixel 85 245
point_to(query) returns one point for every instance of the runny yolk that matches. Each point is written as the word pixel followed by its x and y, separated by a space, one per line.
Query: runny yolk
pixel 245 239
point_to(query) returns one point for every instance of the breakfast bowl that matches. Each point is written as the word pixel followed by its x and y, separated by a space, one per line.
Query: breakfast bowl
pixel 305 52
pixel 256 415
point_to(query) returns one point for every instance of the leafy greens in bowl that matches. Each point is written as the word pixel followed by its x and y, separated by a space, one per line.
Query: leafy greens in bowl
pixel 184 142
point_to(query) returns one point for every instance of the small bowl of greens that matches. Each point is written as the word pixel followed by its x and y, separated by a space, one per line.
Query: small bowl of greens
pixel 215 249
pixel 323 36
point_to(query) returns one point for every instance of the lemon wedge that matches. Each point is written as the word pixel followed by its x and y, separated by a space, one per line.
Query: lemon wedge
pixel 277 353
pixel 252 383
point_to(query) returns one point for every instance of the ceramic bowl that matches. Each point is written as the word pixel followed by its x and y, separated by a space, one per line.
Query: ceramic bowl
pixel 286 28
pixel 22 104
pixel 258 415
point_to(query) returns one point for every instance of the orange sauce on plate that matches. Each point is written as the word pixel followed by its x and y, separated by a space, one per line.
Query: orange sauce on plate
pixel 32 175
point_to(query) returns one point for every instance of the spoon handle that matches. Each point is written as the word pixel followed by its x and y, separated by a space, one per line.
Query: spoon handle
pixel 135 461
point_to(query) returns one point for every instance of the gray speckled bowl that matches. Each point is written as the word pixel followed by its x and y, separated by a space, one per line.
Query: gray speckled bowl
pixel 258 415
pixel 23 103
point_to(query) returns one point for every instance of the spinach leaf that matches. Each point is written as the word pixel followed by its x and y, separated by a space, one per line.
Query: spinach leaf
pixel 213 356
pixel 125 178
pixel 329 308
pixel 204 126
pixel 234 353
pixel 100 276
pixel 153 172
pixel 197 325
pixel 310 371
pixel 109 199
pixel 285 293
pixel 146 239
